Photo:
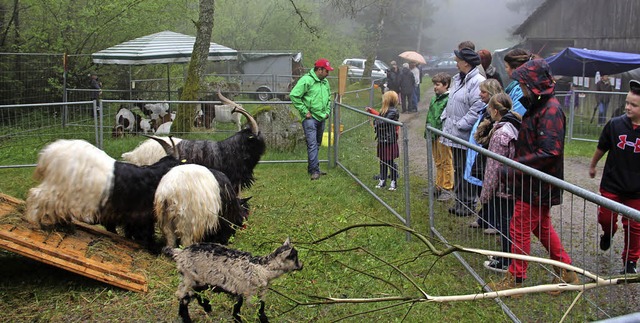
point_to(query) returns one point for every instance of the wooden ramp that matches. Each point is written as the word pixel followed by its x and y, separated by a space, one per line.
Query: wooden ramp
pixel 90 252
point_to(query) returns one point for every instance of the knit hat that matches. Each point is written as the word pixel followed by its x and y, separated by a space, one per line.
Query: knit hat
pixel 468 55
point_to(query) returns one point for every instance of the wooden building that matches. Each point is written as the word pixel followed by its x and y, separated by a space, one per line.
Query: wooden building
pixel 594 24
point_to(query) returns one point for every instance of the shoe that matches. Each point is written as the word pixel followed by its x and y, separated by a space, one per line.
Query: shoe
pixel 563 276
pixel 322 173
pixel 381 183
pixel 629 268
pixel 508 282
pixel 497 264
pixel 474 224
pixel 393 186
pixel 605 242
pixel 315 176
pixel 491 231
pixel 445 195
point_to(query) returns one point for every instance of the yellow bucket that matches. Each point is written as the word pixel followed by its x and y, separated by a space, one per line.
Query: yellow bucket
pixel 325 139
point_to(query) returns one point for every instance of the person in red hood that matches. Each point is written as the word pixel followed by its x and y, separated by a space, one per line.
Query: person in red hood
pixel 540 145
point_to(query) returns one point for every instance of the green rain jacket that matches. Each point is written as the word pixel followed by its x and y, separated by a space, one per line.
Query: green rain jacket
pixel 436 107
pixel 312 94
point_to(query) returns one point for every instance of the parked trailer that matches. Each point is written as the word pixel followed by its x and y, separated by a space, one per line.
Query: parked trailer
pixel 269 74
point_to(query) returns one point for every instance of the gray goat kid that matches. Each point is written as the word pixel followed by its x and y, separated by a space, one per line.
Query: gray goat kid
pixel 233 272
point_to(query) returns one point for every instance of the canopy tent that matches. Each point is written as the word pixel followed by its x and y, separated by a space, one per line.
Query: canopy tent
pixel 165 47
pixel 586 62
pixel 159 48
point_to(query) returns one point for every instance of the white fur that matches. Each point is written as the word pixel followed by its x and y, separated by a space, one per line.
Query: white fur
pixel 164 129
pixel 158 110
pixel 128 115
pixel 224 114
pixel 76 178
pixel 148 152
pixel 145 125
pixel 187 204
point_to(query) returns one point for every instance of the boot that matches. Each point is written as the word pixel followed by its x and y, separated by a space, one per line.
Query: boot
pixel 508 282
pixel 563 276
pixel 381 183
pixel 393 186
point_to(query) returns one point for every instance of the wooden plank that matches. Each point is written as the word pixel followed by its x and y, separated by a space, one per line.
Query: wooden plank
pixel 73 252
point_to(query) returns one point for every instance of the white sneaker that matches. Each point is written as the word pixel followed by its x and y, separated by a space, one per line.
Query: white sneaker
pixel 381 183
pixel 393 186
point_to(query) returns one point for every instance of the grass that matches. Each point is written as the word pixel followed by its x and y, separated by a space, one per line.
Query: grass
pixel 355 264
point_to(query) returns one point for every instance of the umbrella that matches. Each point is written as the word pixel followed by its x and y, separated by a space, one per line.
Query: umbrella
pixel 413 56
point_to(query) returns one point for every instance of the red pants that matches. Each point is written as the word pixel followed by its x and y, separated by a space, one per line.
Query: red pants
pixel 529 218
pixel 609 222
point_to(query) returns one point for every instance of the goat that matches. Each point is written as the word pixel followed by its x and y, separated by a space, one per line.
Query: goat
pixel 81 182
pixel 233 272
pixel 126 121
pixel 154 110
pixel 219 113
pixel 235 156
pixel 197 204
pixel 147 125
pixel 164 129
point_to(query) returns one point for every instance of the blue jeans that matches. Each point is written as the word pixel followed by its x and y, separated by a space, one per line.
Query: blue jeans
pixel 313 130
pixel 415 99
pixel 602 113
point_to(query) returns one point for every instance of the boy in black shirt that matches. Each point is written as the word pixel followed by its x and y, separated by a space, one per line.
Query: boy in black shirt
pixel 621 176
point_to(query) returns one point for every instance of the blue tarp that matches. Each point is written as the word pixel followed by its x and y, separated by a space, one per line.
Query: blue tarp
pixel 586 62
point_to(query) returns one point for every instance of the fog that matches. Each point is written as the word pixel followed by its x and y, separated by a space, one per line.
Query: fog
pixel 488 23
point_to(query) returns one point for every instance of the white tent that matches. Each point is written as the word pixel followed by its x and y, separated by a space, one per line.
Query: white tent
pixel 165 47
pixel 160 48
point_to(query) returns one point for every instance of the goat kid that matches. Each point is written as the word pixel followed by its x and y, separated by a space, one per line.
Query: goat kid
pixel 196 204
pixel 81 182
pixel 233 272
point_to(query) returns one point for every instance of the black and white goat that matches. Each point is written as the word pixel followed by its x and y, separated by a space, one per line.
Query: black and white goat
pixel 126 122
pixel 81 182
pixel 225 270
pixel 197 204
pixel 235 156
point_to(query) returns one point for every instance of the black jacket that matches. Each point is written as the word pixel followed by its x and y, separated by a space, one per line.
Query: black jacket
pixel 386 132
pixel 407 81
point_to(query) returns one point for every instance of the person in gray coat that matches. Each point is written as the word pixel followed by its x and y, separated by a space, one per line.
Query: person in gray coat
pixel 458 119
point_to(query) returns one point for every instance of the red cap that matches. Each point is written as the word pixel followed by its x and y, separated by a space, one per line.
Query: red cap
pixel 324 63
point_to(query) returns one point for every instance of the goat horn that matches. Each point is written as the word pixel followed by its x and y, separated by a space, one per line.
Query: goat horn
pixel 239 109
pixel 169 149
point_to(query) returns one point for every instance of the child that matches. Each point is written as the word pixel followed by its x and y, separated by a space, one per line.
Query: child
pixel 387 138
pixel 441 153
pixel 621 176
pixel 494 194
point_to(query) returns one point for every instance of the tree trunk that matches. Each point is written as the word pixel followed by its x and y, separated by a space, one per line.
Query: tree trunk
pixel 375 43
pixel 195 72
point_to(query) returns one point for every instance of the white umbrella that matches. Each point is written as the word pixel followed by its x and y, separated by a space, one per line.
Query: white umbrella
pixel 413 56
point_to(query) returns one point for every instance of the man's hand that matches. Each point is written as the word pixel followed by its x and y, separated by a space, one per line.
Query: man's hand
pixel 308 115
pixel 592 171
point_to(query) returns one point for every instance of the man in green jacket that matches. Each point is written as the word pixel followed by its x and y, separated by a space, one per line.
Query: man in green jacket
pixel 311 97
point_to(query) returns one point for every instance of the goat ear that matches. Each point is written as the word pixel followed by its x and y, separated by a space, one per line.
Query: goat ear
pixel 287 242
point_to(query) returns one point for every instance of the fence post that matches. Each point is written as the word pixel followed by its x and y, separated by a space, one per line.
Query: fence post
pixel 407 185
pixel 430 179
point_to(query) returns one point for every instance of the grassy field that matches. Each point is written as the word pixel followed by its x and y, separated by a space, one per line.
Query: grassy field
pixel 366 262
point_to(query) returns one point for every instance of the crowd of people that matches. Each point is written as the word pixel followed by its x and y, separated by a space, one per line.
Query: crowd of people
pixel 524 122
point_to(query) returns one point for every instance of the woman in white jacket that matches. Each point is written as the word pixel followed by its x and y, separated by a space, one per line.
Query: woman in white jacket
pixel 458 119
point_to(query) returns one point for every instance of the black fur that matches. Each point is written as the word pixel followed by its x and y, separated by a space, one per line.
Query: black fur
pixel 235 156
pixel 234 211
pixel 131 200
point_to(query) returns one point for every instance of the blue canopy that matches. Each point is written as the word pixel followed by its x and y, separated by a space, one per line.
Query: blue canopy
pixel 586 62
